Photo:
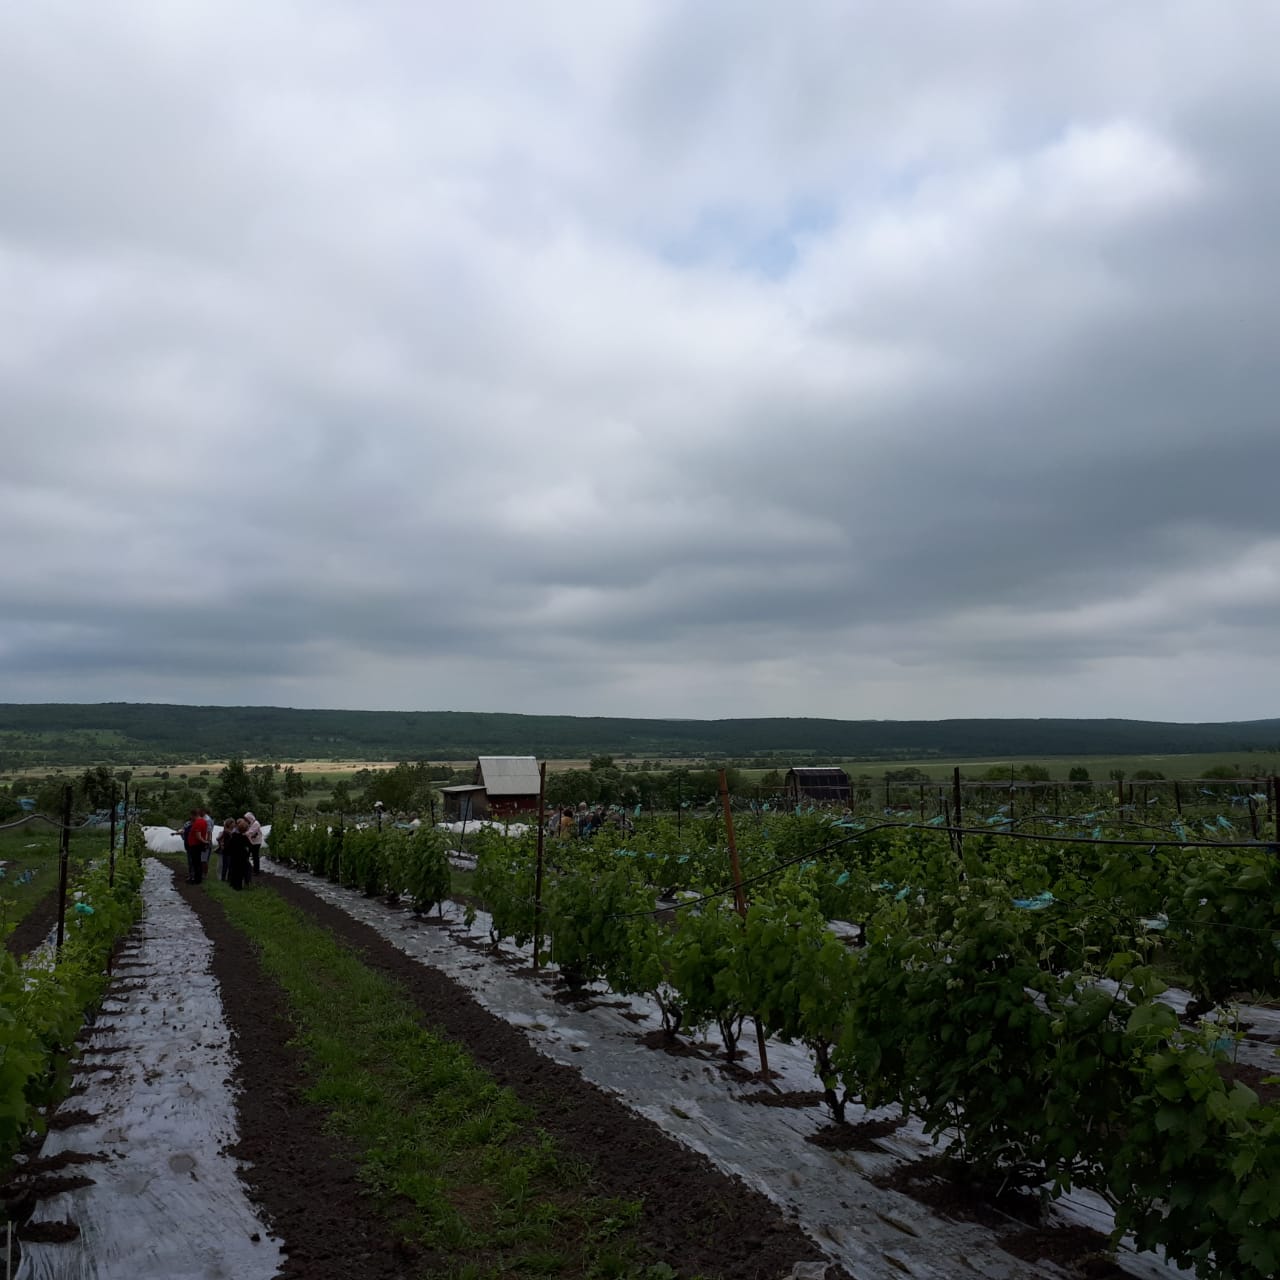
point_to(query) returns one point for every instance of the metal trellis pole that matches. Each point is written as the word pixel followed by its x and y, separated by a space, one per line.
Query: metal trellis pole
pixel 64 853
pixel 740 904
pixel 537 879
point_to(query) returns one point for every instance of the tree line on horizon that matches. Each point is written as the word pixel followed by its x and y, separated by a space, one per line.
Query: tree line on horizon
pixel 139 733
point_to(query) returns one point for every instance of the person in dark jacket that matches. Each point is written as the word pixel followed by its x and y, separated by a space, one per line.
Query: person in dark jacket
pixel 236 845
pixel 224 832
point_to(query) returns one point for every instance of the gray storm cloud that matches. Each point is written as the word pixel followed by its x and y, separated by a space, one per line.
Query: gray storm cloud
pixel 849 360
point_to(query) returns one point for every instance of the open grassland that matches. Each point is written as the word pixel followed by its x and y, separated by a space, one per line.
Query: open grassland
pixel 1250 764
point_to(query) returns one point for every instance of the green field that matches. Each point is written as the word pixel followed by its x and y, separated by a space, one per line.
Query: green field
pixel 1250 764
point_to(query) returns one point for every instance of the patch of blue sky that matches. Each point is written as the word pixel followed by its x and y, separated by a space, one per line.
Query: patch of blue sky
pixel 741 239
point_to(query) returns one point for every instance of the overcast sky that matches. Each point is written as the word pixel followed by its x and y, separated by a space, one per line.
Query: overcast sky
pixel 709 359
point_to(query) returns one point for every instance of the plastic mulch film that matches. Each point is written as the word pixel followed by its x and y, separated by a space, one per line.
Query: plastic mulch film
pixel 877 1234
pixel 166 1203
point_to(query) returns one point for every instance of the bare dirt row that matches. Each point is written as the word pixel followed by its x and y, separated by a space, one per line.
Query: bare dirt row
pixel 697 1218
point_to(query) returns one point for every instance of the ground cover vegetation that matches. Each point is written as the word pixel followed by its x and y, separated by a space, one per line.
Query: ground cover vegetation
pixel 1006 990
pixel 45 999
pixel 136 733
pixel 453 1159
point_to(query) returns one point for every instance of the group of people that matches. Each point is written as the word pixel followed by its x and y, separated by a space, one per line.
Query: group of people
pixel 238 843
pixel 586 822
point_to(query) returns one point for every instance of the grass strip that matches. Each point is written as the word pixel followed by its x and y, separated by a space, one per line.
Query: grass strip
pixel 452 1158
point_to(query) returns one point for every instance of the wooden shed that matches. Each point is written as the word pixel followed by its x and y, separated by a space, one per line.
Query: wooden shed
pixel 817 786
pixel 464 803
pixel 501 786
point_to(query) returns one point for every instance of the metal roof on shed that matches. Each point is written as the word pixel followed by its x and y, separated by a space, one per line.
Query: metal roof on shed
pixel 510 775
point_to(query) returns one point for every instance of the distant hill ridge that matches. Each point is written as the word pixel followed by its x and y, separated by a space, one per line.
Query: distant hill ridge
pixel 73 733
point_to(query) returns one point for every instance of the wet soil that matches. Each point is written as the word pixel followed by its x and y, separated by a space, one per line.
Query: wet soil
pixel 854 1137
pixel 666 1042
pixel 27 1185
pixel 797 1098
pixel 68 1119
pixel 304 1181
pixel 58 1231
pixel 699 1219
pixel 51 1164
pixel 956 1193
pixel 34 927
pixel 1254 1077
pixel 1079 1250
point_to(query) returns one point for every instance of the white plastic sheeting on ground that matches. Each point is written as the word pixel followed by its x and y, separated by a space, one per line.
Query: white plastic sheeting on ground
pixel 513 829
pixel 166 840
pixel 167 1203
pixel 877 1234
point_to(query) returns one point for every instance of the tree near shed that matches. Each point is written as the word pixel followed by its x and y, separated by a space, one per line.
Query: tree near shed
pixel 233 792
pixel 265 791
pixel 407 786
pixel 97 787
pixel 570 786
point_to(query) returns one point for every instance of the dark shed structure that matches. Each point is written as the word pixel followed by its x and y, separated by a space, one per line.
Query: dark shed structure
pixel 501 786
pixel 817 786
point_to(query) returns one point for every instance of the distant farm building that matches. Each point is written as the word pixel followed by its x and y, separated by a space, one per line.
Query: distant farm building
pixel 502 786
pixel 817 786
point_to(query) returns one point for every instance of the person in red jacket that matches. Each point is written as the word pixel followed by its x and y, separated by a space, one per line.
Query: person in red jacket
pixel 196 838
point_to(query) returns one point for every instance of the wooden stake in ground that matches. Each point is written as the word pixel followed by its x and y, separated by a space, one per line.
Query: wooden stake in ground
pixel 64 852
pixel 740 903
pixel 957 813
pixel 111 866
pixel 537 875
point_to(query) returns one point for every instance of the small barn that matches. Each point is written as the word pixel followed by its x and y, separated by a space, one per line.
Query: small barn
pixel 817 786
pixel 501 786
